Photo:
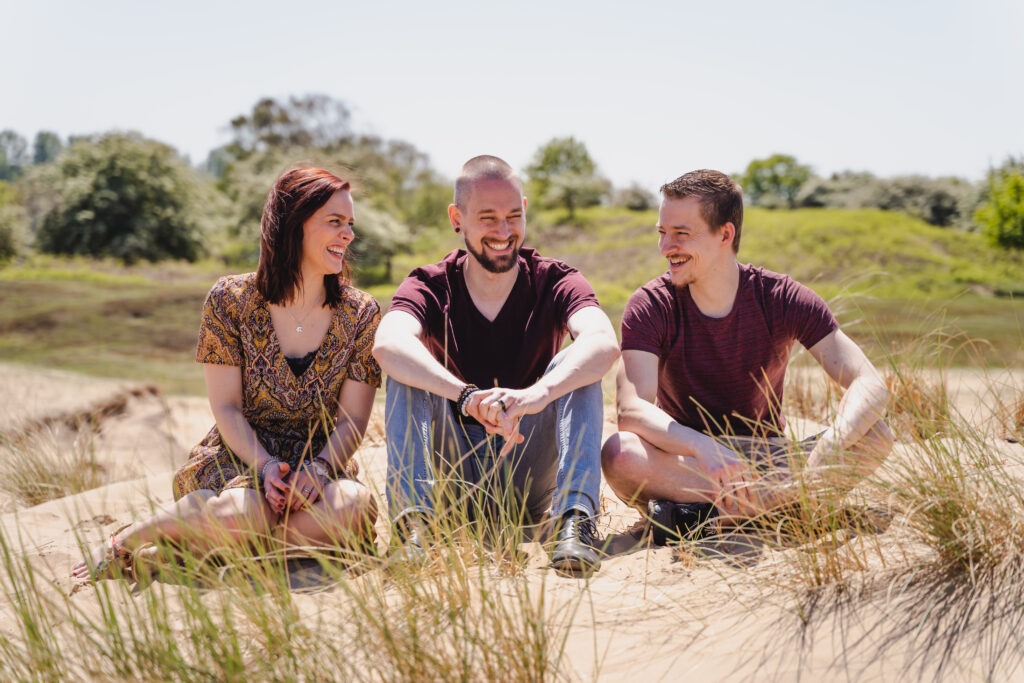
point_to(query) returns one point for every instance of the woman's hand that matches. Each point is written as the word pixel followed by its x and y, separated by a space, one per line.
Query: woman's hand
pixel 275 485
pixel 305 489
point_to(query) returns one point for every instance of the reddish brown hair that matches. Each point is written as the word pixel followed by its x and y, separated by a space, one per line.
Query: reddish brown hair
pixel 296 196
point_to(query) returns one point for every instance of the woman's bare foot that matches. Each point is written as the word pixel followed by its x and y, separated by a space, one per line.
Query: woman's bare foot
pixel 108 560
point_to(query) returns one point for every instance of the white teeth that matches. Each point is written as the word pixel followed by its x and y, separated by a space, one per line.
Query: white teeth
pixel 335 251
pixel 499 245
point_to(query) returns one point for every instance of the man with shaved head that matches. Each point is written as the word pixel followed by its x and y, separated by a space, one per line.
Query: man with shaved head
pixel 479 391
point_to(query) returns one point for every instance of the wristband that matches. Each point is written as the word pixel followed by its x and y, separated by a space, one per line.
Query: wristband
pixel 263 472
pixel 464 397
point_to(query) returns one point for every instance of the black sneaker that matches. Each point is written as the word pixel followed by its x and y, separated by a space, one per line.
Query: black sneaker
pixel 576 545
pixel 672 522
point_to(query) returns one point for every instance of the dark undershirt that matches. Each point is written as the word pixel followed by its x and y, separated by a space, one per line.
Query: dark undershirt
pixel 300 365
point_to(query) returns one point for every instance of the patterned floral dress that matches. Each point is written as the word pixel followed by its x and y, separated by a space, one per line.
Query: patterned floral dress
pixel 292 416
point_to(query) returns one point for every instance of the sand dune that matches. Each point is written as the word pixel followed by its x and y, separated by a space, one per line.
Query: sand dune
pixel 726 609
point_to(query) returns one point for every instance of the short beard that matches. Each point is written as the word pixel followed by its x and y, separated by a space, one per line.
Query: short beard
pixel 491 265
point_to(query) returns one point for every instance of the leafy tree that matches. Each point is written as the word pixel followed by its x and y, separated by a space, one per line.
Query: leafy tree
pixel 562 174
pixel 308 121
pixel 1001 215
pixel 124 196
pixel 846 190
pixel 399 193
pixel 774 181
pixel 45 147
pixel 13 154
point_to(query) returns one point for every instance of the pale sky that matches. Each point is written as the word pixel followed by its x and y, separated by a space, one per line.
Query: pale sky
pixel 654 89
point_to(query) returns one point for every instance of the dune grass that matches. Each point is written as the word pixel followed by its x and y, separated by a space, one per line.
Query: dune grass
pixel 262 612
pixel 937 528
pixel 54 462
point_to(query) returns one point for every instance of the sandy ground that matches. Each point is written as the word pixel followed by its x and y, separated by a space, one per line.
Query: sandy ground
pixel 725 612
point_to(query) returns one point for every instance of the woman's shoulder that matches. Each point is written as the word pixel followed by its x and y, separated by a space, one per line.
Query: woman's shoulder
pixel 358 300
pixel 234 287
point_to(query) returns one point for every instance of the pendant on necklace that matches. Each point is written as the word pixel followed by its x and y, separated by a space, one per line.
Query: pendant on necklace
pixel 298 328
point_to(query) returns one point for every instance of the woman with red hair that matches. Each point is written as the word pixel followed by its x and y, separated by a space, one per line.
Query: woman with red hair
pixel 291 381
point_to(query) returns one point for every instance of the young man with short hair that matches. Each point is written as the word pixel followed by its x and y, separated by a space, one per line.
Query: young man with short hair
pixel 705 349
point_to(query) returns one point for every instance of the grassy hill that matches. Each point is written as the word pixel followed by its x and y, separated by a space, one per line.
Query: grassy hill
pixel 893 280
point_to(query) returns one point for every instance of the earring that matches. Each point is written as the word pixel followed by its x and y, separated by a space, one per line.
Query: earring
pixel 458 228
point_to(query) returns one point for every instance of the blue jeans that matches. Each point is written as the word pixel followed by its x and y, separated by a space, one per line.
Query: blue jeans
pixel 556 469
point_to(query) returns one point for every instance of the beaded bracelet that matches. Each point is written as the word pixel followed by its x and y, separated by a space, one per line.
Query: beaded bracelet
pixel 464 397
pixel 263 472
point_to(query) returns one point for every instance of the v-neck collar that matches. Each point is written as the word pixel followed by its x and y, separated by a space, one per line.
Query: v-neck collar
pixel 280 361
pixel 522 279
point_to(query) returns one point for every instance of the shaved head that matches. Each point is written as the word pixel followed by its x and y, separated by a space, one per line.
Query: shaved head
pixel 483 167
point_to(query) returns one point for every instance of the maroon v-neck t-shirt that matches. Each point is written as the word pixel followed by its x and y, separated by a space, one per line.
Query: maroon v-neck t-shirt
pixel 515 348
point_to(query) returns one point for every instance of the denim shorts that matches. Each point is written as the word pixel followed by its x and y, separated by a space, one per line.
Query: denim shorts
pixel 771 453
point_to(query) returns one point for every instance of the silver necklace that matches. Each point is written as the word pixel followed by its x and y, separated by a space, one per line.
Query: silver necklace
pixel 299 321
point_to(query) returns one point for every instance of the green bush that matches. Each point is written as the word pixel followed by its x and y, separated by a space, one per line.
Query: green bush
pixel 123 196
pixel 1002 213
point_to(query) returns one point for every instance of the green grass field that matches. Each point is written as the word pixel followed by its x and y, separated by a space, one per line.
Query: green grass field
pixel 893 281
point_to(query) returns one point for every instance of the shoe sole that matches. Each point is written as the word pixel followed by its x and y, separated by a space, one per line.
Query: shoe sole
pixel 574 565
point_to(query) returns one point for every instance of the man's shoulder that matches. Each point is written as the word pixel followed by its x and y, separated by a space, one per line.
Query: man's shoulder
pixel 545 265
pixel 768 282
pixel 435 278
pixel 652 301
pixel 761 274
pixel 779 296
pixel 659 288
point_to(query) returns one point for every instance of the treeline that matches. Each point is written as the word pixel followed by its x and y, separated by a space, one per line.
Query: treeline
pixel 995 206
pixel 121 195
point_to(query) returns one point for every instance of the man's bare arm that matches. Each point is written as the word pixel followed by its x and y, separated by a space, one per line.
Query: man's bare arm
pixel 637 389
pixel 864 401
pixel 587 359
pixel 399 349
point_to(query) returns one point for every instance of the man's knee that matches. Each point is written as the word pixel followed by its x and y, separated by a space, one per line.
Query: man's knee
pixel 621 456
pixel 351 502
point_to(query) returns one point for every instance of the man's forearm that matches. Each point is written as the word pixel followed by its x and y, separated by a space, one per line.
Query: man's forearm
pixel 657 427
pixel 409 362
pixel 862 406
pixel 587 360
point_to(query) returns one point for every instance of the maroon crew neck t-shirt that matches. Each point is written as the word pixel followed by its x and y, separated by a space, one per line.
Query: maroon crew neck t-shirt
pixel 725 375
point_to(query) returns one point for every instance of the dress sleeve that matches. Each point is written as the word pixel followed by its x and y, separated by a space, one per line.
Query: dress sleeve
pixel 362 366
pixel 219 340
